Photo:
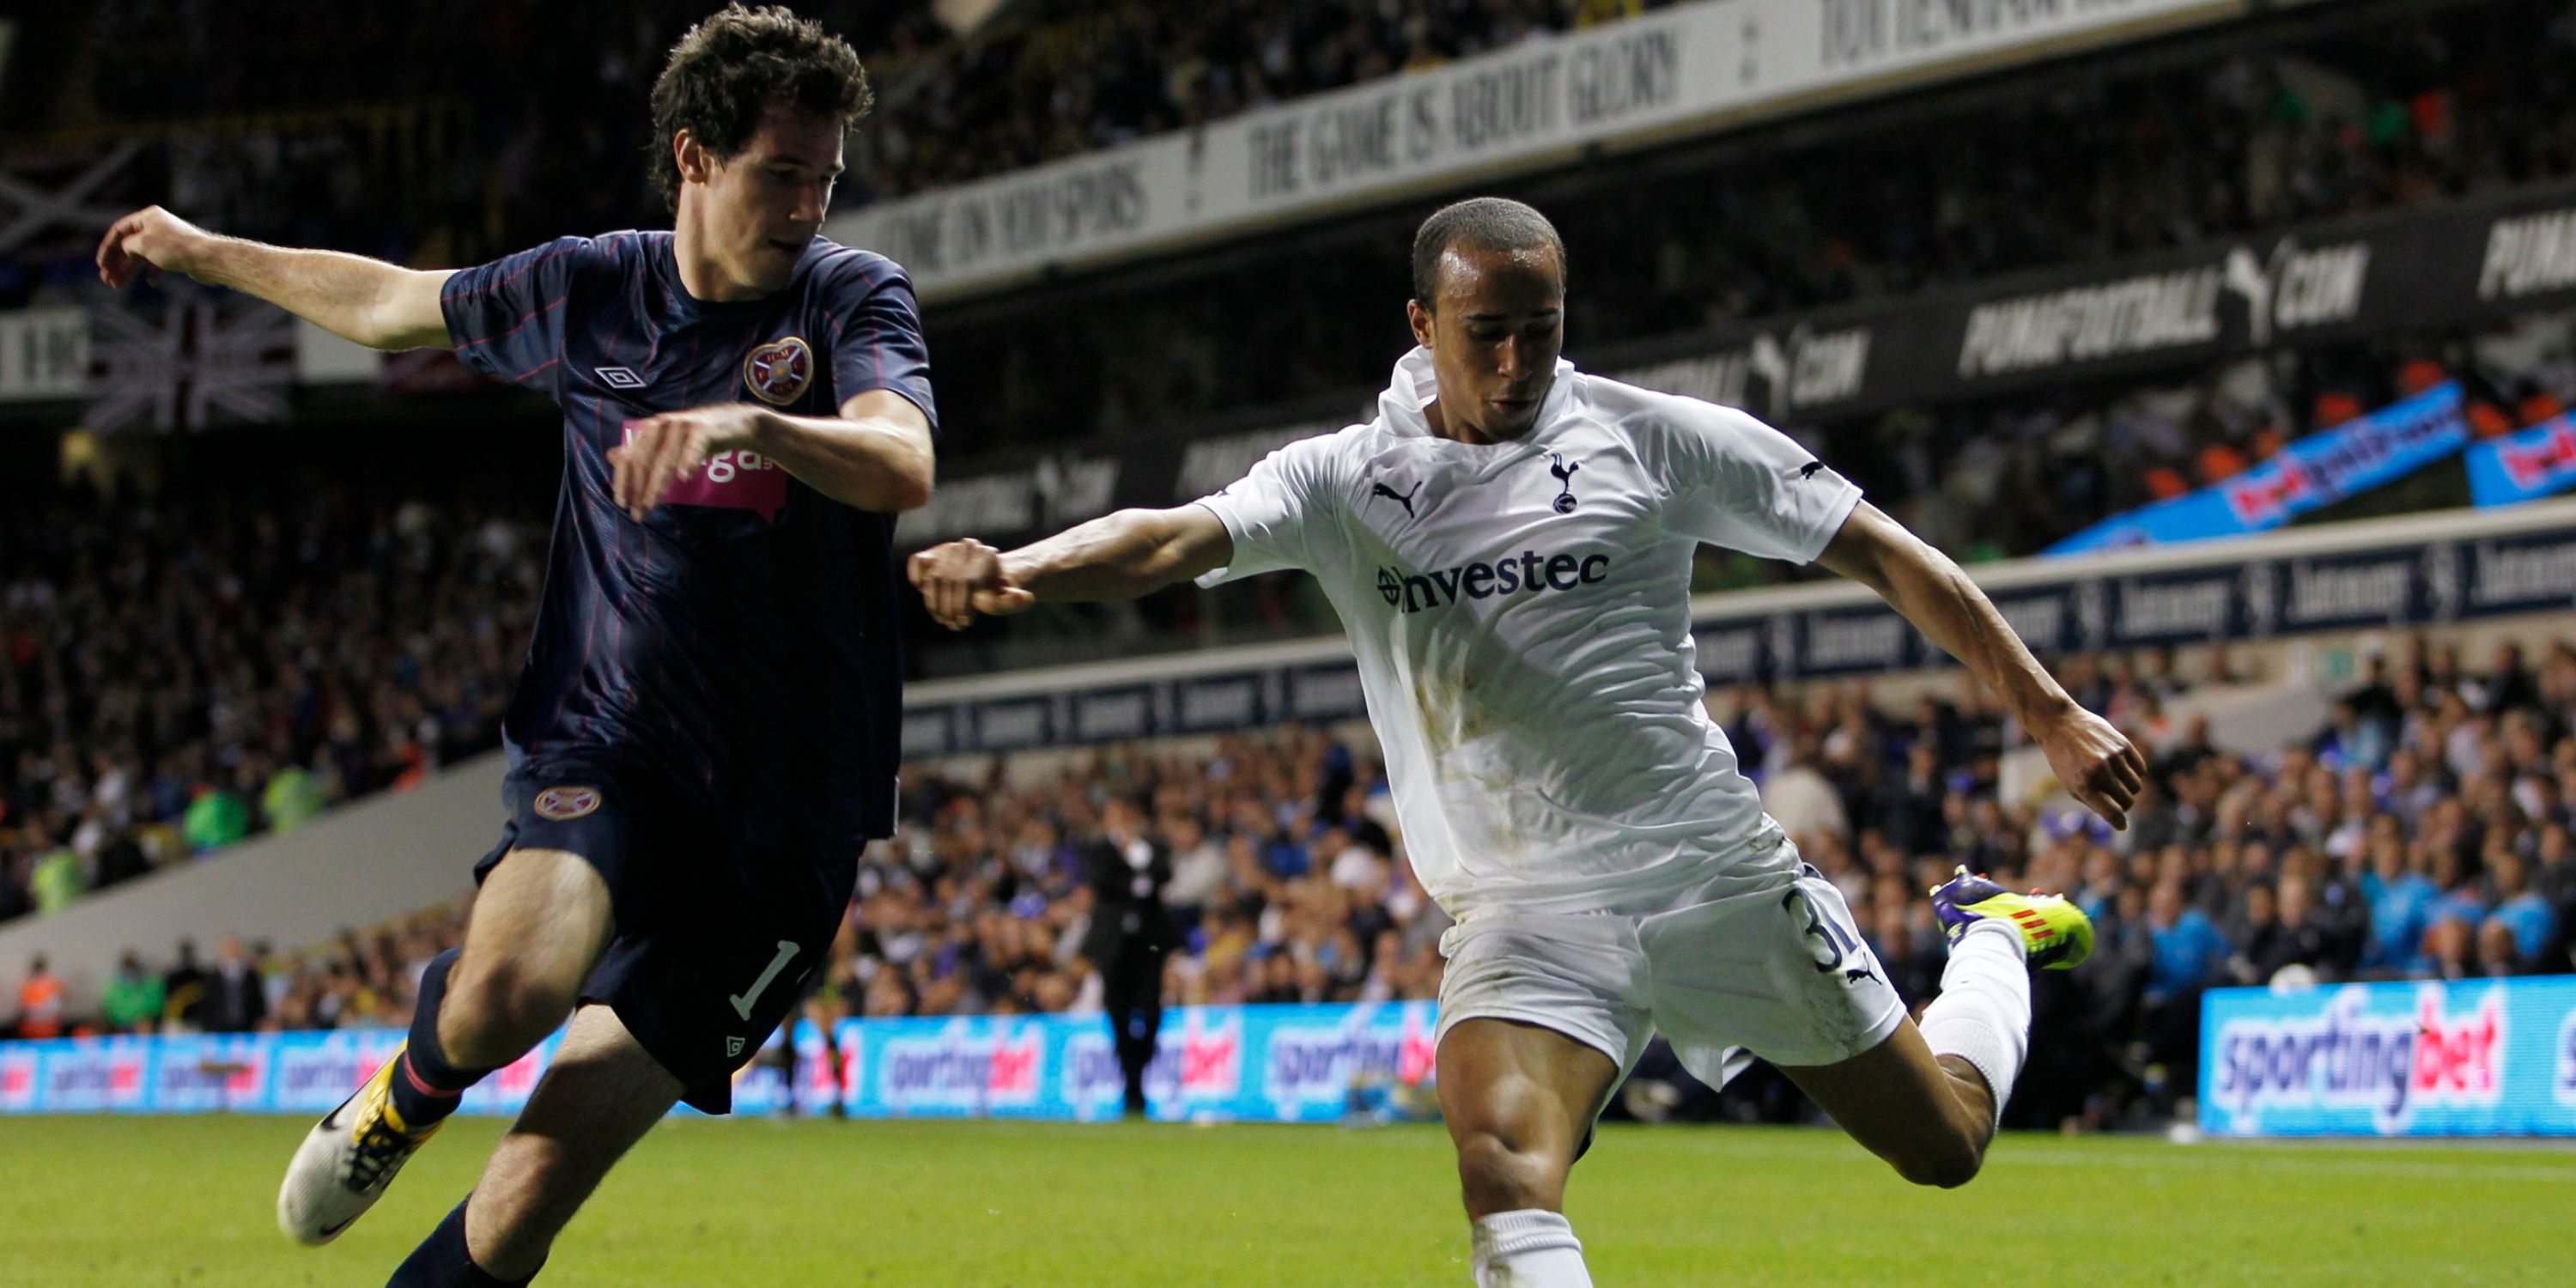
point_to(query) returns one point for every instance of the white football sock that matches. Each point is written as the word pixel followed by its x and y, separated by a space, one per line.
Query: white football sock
pixel 1983 1013
pixel 1530 1248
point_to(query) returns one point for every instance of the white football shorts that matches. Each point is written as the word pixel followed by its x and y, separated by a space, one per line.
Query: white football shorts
pixel 1777 971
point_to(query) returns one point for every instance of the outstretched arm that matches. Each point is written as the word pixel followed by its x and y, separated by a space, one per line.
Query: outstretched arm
pixel 379 305
pixel 1117 556
pixel 2093 761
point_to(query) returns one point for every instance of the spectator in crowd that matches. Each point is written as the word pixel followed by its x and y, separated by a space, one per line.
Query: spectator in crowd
pixel 217 817
pixel 2188 955
pixel 1806 805
pixel 236 994
pixel 132 1002
pixel 57 879
pixel 2526 926
pixel 40 1001
pixel 183 989
pixel 2297 935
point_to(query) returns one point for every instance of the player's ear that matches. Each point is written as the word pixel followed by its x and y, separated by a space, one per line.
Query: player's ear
pixel 1419 314
pixel 697 165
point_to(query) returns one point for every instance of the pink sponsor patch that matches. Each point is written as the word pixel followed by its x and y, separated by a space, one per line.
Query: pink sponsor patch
pixel 735 480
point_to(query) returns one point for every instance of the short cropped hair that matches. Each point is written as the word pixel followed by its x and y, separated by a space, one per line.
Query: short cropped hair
pixel 737 64
pixel 1483 223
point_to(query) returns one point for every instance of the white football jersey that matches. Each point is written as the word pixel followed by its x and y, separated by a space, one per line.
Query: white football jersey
pixel 1521 615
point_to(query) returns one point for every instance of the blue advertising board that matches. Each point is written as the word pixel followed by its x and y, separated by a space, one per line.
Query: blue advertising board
pixel 2537 462
pixel 2309 474
pixel 1259 1063
pixel 2484 1057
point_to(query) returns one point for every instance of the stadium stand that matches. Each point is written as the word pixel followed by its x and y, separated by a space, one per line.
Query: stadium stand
pixel 1073 78
pixel 2335 111
pixel 134 736
pixel 2424 832
pixel 215 663
pixel 196 666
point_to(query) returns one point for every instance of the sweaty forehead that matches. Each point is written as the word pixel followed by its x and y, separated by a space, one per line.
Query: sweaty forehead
pixel 1489 279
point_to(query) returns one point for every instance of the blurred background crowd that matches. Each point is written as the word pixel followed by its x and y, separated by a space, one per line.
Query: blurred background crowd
pixel 2422 832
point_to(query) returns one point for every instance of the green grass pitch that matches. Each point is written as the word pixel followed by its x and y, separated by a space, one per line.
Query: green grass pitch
pixel 142 1202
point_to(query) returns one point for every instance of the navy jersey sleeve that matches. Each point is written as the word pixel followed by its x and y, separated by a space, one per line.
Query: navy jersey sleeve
pixel 506 318
pixel 876 342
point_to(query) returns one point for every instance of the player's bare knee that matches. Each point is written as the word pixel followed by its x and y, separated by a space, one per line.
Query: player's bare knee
pixel 502 1007
pixel 1494 1176
pixel 1946 1165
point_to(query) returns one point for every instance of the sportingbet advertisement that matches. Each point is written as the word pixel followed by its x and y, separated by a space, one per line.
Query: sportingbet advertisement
pixel 2464 1058
pixel 1255 1063
pixel 2539 461
pixel 2309 474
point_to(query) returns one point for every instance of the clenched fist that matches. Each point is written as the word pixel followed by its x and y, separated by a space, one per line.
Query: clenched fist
pixel 666 449
pixel 962 578
pixel 2094 762
pixel 151 239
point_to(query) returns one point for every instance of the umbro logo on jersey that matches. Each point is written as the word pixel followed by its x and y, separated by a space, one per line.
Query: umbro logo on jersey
pixel 1565 480
pixel 1808 470
pixel 620 378
pixel 1529 572
pixel 1404 499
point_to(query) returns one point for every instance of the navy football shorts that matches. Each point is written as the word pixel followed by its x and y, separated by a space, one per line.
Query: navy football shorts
pixel 714 937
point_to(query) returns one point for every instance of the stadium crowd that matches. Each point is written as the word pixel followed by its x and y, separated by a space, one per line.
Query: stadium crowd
pixel 290 146
pixel 2431 102
pixel 2423 832
pixel 181 672
pixel 1077 77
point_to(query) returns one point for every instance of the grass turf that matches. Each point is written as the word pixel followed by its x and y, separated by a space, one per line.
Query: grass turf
pixel 137 1202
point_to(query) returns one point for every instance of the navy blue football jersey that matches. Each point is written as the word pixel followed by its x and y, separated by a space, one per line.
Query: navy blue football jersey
pixel 738 646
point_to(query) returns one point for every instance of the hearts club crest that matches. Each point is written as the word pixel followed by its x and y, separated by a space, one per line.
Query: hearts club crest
pixel 778 372
pixel 565 803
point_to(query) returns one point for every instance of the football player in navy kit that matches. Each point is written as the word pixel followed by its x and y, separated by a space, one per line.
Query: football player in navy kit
pixel 705 734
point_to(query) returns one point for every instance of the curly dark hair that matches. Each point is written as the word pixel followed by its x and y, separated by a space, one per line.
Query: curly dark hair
pixel 733 67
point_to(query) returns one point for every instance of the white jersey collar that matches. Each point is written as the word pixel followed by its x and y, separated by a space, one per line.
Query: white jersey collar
pixel 1415 387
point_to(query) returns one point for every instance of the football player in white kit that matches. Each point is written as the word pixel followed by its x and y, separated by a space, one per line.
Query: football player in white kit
pixel 1509 544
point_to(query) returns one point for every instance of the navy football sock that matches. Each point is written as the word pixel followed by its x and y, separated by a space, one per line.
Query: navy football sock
pixel 441 1261
pixel 426 1087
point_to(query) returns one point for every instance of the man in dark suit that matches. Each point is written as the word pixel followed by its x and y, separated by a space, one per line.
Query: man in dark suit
pixel 1129 936
pixel 236 996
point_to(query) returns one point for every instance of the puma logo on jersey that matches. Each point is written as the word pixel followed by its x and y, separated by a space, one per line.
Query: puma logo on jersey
pixel 1565 480
pixel 1808 470
pixel 1528 572
pixel 1404 499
